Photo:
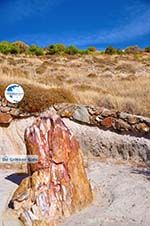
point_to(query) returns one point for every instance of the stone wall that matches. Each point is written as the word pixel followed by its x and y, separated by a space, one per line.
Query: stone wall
pixel 87 124
pixel 119 122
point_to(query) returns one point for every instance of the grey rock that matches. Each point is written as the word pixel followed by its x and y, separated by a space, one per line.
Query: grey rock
pixel 123 115
pixel 81 114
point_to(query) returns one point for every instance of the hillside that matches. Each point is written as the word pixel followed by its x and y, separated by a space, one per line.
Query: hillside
pixel 120 82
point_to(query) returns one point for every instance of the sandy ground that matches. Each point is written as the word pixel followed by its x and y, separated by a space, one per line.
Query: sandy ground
pixel 9 181
pixel 121 196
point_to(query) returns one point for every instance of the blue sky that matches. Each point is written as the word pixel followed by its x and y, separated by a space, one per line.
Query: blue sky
pixel 80 22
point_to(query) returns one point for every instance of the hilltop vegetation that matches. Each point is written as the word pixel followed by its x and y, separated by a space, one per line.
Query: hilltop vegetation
pixel 19 47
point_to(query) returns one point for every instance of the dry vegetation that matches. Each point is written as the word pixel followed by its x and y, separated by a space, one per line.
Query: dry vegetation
pixel 121 82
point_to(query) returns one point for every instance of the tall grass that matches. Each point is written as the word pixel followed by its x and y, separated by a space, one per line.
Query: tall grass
pixel 82 80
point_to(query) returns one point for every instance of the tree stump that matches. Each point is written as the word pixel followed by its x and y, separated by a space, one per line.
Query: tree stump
pixel 57 185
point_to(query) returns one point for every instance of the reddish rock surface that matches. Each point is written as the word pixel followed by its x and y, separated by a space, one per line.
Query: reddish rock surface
pixel 5 118
pixel 58 185
pixel 107 122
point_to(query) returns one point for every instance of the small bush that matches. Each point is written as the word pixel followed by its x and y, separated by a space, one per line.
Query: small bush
pixel 111 50
pixel 14 49
pixel 38 98
pixel 44 98
pixel 6 48
pixel 91 49
pixel 35 50
pixel 21 46
pixel 83 52
pixel 147 49
pixel 56 49
pixel 71 50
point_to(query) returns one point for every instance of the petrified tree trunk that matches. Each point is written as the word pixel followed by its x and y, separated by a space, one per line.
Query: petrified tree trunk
pixel 58 185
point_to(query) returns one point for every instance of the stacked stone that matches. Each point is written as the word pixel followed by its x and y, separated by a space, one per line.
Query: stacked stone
pixel 103 118
pixel 7 111
pixel 119 122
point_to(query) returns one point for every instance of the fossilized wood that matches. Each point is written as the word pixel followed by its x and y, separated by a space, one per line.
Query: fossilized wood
pixel 57 185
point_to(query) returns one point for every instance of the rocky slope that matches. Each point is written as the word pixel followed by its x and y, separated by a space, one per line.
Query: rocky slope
pixel 120 82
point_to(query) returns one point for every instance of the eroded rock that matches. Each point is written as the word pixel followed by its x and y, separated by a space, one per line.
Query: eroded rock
pixel 58 185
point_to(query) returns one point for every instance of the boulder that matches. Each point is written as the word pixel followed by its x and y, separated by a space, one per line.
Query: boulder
pixel 57 185
pixel 81 114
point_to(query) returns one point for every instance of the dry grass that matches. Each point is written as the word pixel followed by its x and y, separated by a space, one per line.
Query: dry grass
pixel 82 79
pixel 38 96
pixel 42 68
pixel 37 99
pixel 132 96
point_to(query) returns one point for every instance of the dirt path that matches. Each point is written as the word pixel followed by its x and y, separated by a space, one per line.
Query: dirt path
pixel 121 197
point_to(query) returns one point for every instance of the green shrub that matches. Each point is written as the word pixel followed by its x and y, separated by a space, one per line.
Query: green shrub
pixel 119 51
pixel 35 50
pixel 147 49
pixel 91 49
pixel 111 50
pixel 6 48
pixel 23 47
pixel 14 49
pixel 72 50
pixel 83 51
pixel 56 49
